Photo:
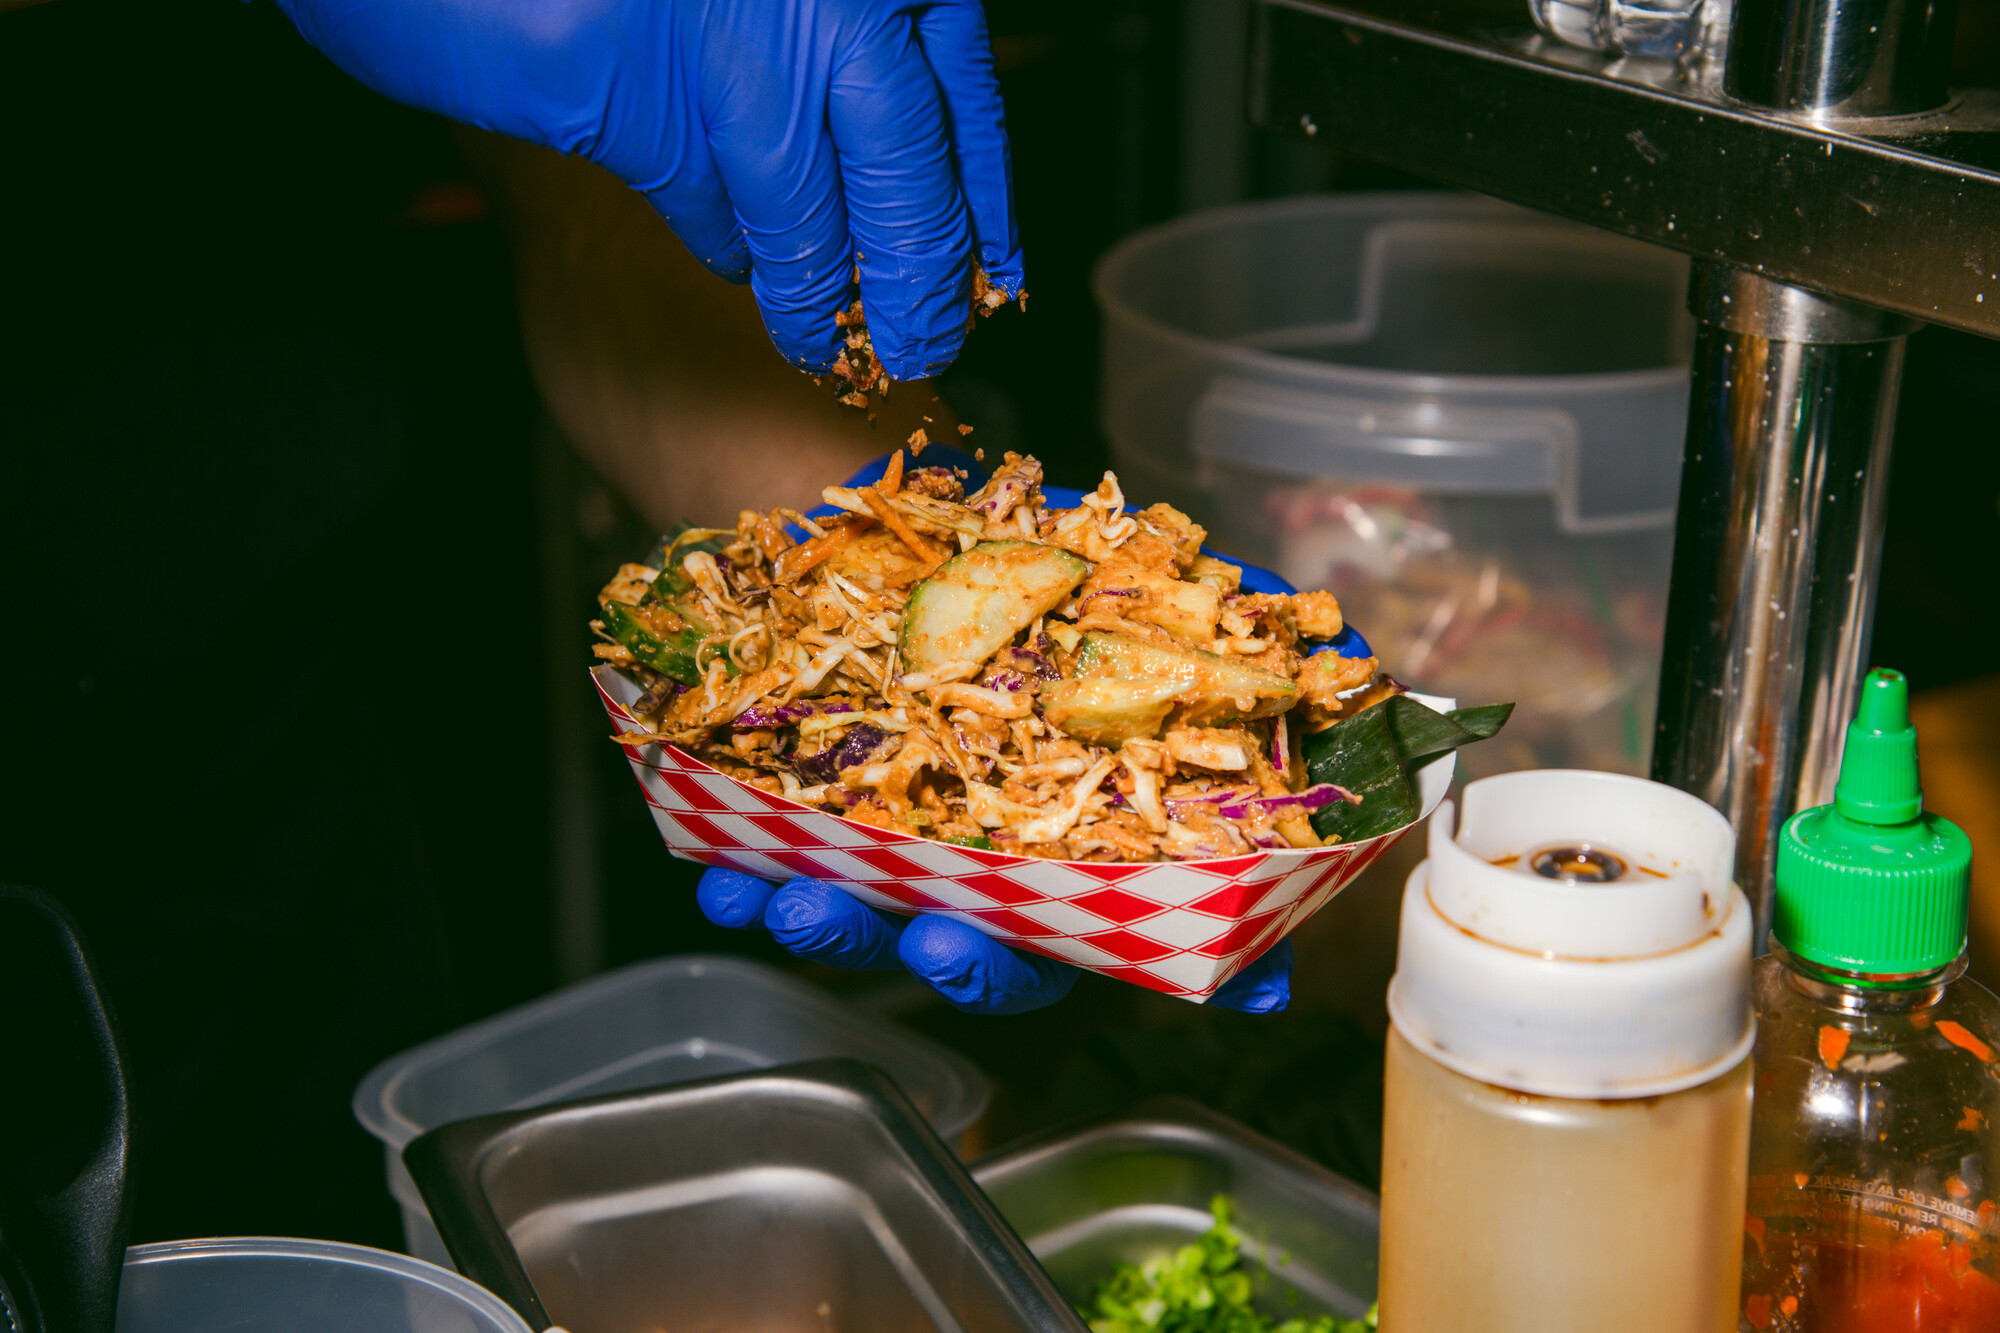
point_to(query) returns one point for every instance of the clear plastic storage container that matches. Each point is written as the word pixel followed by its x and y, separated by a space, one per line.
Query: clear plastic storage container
pixel 666 1021
pixel 258 1284
pixel 1463 417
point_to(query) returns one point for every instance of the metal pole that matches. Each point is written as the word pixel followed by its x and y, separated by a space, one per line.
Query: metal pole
pixel 1776 550
pixel 1786 473
pixel 1840 59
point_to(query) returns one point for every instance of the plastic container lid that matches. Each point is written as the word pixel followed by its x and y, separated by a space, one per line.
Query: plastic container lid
pixel 1872 883
pixel 1445 342
pixel 1579 937
pixel 257 1284
pixel 666 1021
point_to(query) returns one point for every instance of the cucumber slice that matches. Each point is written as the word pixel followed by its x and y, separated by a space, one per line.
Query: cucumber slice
pixel 1109 712
pixel 1215 688
pixel 672 656
pixel 979 600
pixel 669 550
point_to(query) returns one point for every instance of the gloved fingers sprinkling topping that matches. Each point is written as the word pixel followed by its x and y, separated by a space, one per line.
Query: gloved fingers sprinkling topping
pixel 912 236
pixel 954 38
pixel 766 125
pixel 693 203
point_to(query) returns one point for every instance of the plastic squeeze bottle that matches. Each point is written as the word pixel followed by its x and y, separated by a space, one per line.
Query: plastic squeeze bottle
pixel 1567 1118
pixel 1875 1158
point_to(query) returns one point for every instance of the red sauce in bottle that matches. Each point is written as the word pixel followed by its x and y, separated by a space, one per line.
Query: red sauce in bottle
pixel 1914 1284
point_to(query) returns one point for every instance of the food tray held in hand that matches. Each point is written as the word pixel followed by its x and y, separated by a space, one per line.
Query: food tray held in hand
pixel 1181 927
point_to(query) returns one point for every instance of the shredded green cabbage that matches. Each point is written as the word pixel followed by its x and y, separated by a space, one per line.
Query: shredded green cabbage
pixel 1199 1288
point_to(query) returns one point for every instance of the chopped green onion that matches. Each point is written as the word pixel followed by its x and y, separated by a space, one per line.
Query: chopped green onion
pixel 1199 1288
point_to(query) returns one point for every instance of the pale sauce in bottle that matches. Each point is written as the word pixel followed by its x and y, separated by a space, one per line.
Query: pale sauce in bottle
pixel 1567 1102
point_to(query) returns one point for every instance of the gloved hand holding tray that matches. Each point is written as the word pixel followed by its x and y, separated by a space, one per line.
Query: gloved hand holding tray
pixel 1071 728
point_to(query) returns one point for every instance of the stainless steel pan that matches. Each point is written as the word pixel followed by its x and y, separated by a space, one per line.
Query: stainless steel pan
pixel 810 1198
pixel 1138 1184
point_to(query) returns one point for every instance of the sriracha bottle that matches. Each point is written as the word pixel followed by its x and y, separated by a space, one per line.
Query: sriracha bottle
pixel 1875 1130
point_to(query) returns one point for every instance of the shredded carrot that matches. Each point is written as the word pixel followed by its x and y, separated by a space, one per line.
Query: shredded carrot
pixel 1958 1258
pixel 893 521
pixel 1957 1188
pixel 1974 1118
pixel 1754 1227
pixel 771 535
pixel 1959 1037
pixel 1790 1305
pixel 792 563
pixel 892 480
pixel 1758 1311
pixel 1833 1045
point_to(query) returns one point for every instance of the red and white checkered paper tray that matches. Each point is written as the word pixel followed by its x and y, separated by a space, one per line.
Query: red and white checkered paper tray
pixel 1182 927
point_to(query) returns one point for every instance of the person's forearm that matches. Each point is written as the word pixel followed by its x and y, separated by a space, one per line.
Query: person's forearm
pixel 660 374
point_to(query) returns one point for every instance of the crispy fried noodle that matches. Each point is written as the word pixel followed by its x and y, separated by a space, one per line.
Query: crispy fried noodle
pixel 1082 684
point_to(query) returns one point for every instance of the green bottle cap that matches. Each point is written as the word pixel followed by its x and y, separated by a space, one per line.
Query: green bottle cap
pixel 1872 883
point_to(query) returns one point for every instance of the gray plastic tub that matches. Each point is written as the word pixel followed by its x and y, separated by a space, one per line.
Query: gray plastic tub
pixel 1449 341
pixel 1464 418
pixel 666 1021
pixel 1138 1185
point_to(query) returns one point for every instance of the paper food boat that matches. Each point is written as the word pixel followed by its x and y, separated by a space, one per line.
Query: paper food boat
pixel 1181 927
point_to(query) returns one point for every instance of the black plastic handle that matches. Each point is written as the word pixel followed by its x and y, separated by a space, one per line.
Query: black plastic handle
pixel 65 1127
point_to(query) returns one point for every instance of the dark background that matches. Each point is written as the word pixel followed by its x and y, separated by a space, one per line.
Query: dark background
pixel 276 535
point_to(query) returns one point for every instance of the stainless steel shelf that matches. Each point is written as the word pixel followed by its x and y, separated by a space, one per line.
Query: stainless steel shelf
pixel 1902 214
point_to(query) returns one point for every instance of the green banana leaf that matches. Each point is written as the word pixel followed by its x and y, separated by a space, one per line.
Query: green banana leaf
pixel 1375 755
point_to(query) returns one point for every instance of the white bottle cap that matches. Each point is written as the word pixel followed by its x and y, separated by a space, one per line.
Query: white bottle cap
pixel 1627 974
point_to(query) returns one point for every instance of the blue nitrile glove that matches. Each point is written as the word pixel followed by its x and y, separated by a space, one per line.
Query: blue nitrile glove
pixel 974 972
pixel 784 141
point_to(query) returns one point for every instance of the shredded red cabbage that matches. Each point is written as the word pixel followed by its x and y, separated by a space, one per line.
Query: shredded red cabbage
pixel 1312 798
pixel 784 715
pixel 857 747
pixel 1033 663
pixel 1003 679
